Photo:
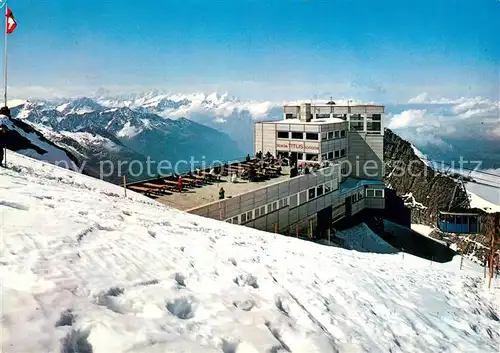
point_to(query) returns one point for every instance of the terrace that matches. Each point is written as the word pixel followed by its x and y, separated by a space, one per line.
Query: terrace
pixel 202 186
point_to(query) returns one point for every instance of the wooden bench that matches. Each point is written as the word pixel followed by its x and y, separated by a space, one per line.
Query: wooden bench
pixel 158 187
pixel 172 185
pixel 146 191
pixel 191 181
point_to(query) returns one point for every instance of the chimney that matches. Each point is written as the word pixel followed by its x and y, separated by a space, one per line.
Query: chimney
pixel 305 112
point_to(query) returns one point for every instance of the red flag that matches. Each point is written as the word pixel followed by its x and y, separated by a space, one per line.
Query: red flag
pixel 11 22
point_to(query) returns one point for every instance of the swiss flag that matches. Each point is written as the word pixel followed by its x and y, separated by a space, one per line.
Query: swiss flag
pixel 11 22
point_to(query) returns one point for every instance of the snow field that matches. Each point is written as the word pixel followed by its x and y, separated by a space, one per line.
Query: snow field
pixel 84 269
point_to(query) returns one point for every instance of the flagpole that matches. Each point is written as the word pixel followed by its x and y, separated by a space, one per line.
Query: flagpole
pixel 5 57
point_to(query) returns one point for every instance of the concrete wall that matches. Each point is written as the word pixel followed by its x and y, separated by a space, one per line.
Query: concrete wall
pixel 265 138
pixel 286 203
pixel 291 203
pixel 366 150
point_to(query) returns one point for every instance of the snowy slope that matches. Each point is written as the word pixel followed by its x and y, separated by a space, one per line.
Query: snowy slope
pixel 478 202
pixel 421 156
pixel 84 269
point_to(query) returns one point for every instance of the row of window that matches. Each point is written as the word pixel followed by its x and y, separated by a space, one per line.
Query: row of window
pixel 373 117
pixel 356 197
pixel 330 156
pixel 292 201
pixel 379 193
pixel 360 126
pixel 312 136
pixel 333 155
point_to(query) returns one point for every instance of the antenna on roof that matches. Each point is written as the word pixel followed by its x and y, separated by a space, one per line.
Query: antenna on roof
pixel 331 102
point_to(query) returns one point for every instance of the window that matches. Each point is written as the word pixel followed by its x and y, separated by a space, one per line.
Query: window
pixel 282 203
pixel 324 157
pixel 269 208
pixel 379 193
pixel 229 220
pixel 257 213
pixel 263 210
pixel 298 135
pixel 357 125
pixel 283 134
pixel 290 116
pixel 249 215
pixel 337 154
pixel 375 126
pixel 311 157
pixel 376 117
pixel 293 200
pixel 243 217
pixel 342 152
pixel 323 116
pixel 330 135
pixel 328 187
pixel 311 136
pixel 275 205
pixel 319 190
pixel 312 193
pixel 324 136
pixel 235 220
pixel 330 155
pixel 337 134
pixel 303 197
pixel 342 133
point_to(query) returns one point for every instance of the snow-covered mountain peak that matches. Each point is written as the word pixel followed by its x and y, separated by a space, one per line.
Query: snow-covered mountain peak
pixel 80 106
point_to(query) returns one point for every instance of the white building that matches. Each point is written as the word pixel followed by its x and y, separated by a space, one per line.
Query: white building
pixel 316 133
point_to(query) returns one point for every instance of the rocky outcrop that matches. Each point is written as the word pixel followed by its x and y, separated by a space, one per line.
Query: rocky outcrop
pixel 424 190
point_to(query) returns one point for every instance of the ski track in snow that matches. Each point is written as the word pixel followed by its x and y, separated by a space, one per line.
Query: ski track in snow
pixel 84 269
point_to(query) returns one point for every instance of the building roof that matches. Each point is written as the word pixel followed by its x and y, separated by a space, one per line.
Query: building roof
pixel 353 183
pixel 312 122
pixel 463 212
pixel 338 106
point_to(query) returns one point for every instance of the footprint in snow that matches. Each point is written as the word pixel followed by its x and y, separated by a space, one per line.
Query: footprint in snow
pixel 76 342
pixel 246 280
pixel 245 305
pixel 183 308
pixel 180 279
pixel 66 319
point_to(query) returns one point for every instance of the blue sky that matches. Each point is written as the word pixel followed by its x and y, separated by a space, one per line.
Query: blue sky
pixel 387 50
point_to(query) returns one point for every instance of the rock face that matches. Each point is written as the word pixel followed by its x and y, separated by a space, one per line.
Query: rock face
pixel 423 189
pixel 27 140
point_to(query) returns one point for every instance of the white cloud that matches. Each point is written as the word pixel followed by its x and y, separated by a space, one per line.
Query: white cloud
pixel 443 118
pixel 421 98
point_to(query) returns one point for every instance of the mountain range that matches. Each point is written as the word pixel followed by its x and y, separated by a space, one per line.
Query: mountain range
pixel 107 135
pixel 165 126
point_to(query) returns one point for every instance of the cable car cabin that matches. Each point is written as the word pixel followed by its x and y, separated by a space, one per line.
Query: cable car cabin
pixel 459 221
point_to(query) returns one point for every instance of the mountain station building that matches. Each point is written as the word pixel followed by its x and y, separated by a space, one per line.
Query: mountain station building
pixel 340 145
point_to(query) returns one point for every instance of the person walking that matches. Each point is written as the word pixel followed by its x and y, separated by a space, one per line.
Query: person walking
pixel 179 183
